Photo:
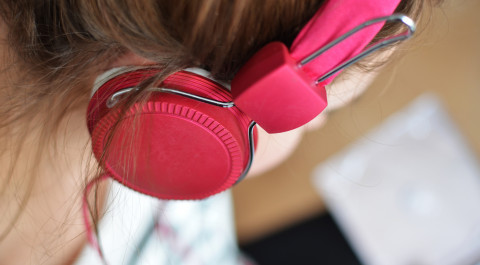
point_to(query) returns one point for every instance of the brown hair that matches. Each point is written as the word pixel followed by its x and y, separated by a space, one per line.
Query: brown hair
pixel 59 46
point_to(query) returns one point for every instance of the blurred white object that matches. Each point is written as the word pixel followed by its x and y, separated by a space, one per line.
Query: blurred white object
pixel 407 193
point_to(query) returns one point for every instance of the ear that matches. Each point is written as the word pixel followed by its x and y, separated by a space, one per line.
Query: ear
pixel 130 59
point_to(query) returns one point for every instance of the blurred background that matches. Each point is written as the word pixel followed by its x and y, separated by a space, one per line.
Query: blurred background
pixel 392 178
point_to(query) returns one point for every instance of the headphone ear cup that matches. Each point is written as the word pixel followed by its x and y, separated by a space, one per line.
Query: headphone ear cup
pixel 170 146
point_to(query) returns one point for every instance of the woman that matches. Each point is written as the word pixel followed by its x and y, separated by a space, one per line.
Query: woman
pixel 53 51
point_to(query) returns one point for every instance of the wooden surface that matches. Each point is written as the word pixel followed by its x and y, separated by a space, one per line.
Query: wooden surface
pixel 445 60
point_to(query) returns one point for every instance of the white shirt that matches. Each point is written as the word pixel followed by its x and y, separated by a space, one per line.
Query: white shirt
pixel 138 229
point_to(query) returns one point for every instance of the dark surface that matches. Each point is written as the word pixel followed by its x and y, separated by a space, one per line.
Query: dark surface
pixel 315 241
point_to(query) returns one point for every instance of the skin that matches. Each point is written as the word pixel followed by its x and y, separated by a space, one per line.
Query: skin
pixel 51 230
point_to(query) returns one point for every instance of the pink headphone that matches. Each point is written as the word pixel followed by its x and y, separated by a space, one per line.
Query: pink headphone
pixel 196 137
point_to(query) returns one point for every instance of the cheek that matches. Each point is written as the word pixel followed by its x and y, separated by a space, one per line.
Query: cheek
pixel 347 87
pixel 273 149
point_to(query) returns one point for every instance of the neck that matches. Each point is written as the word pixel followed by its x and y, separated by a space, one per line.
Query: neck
pixel 42 183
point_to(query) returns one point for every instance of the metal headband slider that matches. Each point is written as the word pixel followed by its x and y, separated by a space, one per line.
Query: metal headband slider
pixel 411 27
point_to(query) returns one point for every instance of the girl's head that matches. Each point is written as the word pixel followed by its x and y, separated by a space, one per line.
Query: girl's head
pixel 53 51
